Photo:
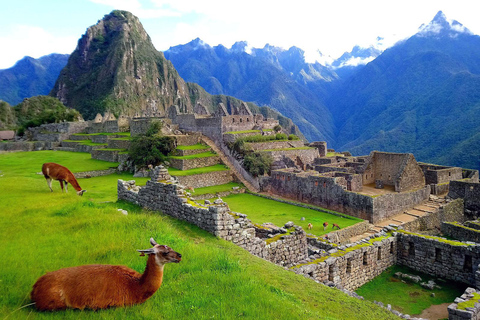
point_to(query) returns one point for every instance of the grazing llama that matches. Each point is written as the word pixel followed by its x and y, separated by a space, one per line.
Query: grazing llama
pixel 53 171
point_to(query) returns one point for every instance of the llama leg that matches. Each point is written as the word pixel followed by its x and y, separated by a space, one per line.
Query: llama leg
pixel 66 186
pixel 49 182
pixel 61 184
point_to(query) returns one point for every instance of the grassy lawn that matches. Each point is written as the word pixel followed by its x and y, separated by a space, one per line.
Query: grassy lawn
pixel 408 297
pixel 194 156
pixel 261 210
pixel 215 280
pixel 197 146
pixel 177 172
pixel 214 189
pixel 86 142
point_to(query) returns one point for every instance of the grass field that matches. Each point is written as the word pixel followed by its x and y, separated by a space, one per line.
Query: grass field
pixel 261 210
pixel 44 231
pixel 215 189
pixel 408 297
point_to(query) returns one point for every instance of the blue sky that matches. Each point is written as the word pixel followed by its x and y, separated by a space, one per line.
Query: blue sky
pixel 39 27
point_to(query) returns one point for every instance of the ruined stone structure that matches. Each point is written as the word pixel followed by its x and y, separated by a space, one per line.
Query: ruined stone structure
pixel 109 123
pixel 465 307
pixel 213 126
pixel 163 194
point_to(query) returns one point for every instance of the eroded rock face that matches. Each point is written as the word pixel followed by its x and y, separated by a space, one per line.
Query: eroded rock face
pixel 115 67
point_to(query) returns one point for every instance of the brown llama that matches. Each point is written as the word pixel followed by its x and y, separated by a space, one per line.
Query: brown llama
pixel 325 225
pixel 53 171
pixel 101 286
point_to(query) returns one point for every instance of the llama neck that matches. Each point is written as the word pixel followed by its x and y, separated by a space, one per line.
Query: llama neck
pixel 152 278
pixel 71 179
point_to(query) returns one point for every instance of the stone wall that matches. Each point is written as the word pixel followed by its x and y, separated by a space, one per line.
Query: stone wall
pixel 440 174
pixel 435 256
pixel 182 153
pixel 106 155
pixel 452 211
pixel 118 143
pixel 232 137
pixel 187 139
pixel 256 146
pixel 305 155
pixel 28 145
pixel 169 198
pixel 465 307
pixel 470 192
pixel 343 235
pixel 95 173
pixel 192 163
pixel 457 231
pixel 56 132
pixel 351 267
pixel 206 179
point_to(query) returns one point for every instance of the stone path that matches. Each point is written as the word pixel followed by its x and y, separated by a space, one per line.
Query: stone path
pixel 228 163
pixel 407 216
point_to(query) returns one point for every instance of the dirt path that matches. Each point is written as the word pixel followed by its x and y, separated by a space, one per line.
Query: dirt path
pixel 435 312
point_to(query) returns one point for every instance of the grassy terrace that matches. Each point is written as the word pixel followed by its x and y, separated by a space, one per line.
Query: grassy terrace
pixel 289 149
pixel 261 210
pixel 215 189
pixel 408 297
pixel 86 142
pixel 127 134
pixel 197 146
pixel 246 131
pixel 177 172
pixel 215 280
pixel 194 156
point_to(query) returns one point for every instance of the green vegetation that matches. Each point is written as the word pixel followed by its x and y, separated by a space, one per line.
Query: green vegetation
pixel 39 110
pixel 266 138
pixel 215 189
pixel 408 297
pixel 469 303
pixel 177 172
pixel 194 156
pixel 258 163
pixel 243 131
pixel 104 134
pixel 8 119
pixel 289 149
pixel 150 148
pixel 260 210
pixel 86 142
pixel 216 279
pixel 197 146
pixel 440 239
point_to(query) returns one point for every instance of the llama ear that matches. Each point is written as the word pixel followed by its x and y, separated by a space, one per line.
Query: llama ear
pixel 146 251
pixel 153 242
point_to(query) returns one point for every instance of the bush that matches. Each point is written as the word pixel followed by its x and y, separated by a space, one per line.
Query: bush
pixel 150 148
pixel 258 163
pixel 293 137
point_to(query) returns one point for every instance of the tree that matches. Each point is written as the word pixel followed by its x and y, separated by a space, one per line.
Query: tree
pixel 151 148
pixel 258 163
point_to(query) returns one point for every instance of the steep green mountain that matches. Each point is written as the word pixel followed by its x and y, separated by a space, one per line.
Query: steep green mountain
pixel 270 76
pixel 116 68
pixel 420 96
pixel 8 119
pixel 30 77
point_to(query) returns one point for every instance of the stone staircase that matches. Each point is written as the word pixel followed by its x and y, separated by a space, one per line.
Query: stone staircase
pixel 431 206
pixel 230 164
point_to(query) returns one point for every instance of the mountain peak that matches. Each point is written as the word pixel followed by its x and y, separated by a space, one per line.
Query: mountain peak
pixel 440 26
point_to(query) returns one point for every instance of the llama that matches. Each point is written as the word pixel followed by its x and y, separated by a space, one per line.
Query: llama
pixel 325 225
pixel 335 226
pixel 101 286
pixel 310 226
pixel 53 171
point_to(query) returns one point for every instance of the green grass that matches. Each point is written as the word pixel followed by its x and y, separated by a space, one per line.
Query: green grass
pixel 195 156
pixel 261 210
pixel 244 131
pixel 86 142
pixel 104 134
pixel 197 146
pixel 409 297
pixel 288 149
pixel 177 172
pixel 215 189
pixel 215 280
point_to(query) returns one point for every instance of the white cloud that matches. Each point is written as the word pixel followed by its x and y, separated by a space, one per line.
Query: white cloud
pixel 21 40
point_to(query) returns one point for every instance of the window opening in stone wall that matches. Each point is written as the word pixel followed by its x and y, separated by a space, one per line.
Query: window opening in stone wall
pixel 240 119
pixel 411 249
pixel 391 247
pixel 467 264
pixel 365 262
pixel 349 265
pixel 330 272
pixel 379 253
pixel 449 173
pixel 438 254
pixel 248 120
pixel 233 120
pixel 371 175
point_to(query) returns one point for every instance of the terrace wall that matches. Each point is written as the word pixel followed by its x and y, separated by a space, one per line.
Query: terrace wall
pixel 170 199
pixel 472 313
pixel 452 211
pixel 441 258
pixel 206 179
pixel 187 164
pixel 460 232
pixel 256 146
pixel 56 132
pixel 352 269
pixel 28 145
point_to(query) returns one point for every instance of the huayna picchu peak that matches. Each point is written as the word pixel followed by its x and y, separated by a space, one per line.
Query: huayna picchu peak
pixel 116 68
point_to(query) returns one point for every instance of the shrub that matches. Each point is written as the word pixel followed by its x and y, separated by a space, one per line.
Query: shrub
pixel 293 137
pixel 258 163
pixel 151 147
pixel 277 128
